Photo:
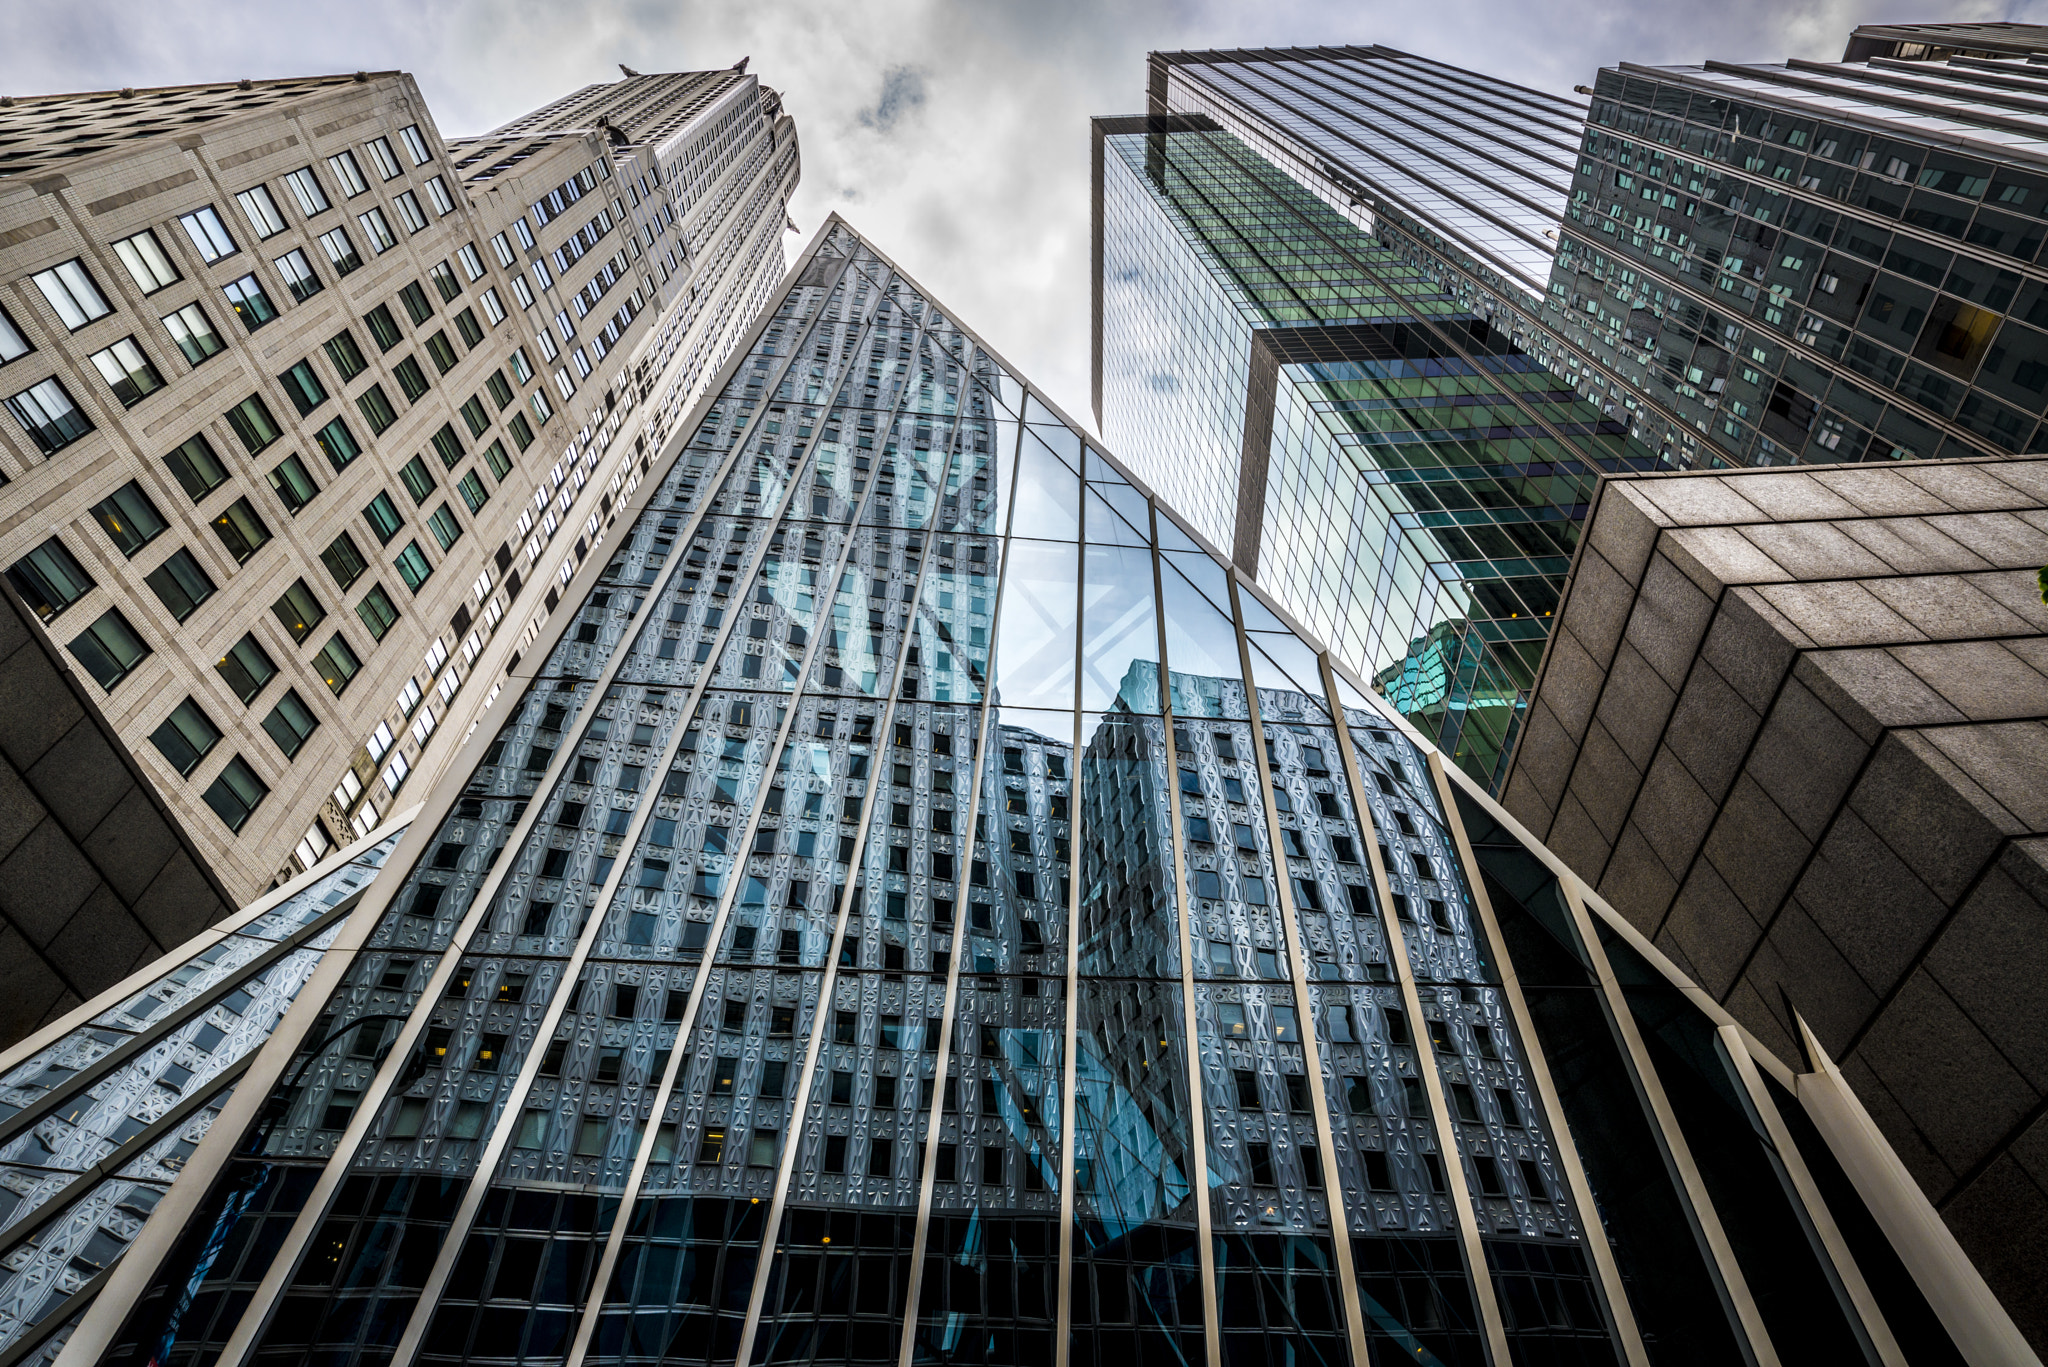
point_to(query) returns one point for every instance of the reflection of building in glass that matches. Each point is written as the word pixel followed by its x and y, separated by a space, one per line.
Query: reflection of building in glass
pixel 871 931
pixel 1364 440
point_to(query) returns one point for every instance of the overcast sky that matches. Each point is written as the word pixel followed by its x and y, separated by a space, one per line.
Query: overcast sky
pixel 955 135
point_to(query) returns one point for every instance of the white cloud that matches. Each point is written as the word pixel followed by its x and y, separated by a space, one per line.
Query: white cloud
pixel 954 135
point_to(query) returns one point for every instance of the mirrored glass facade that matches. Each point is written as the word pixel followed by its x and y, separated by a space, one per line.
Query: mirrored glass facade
pixel 922 906
pixel 1375 454
pixel 1818 262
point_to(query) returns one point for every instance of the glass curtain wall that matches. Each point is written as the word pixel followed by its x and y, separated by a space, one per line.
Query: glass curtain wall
pixel 924 908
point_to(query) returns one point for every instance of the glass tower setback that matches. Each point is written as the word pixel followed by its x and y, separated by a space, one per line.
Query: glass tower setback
pixel 1819 262
pixel 921 906
pixel 1380 458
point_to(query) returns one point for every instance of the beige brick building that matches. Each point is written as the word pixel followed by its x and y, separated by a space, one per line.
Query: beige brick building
pixel 310 411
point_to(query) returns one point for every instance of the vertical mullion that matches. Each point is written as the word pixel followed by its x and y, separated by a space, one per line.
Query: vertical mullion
pixel 1063 1330
pixel 1737 1300
pixel 1867 1316
pixel 594 1298
pixel 1198 1115
pixel 1463 1211
pixel 935 1121
pixel 1621 1314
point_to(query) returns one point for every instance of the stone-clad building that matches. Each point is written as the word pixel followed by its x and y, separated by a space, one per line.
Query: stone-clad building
pixel 1794 726
pixel 306 407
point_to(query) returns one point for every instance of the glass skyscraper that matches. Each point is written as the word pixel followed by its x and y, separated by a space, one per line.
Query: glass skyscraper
pixel 1334 410
pixel 918 905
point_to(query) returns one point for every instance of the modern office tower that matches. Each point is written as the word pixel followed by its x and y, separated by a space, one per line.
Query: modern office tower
pixel 1822 262
pixel 1376 454
pixel 922 904
pixel 1791 725
pixel 97 876
pixel 302 412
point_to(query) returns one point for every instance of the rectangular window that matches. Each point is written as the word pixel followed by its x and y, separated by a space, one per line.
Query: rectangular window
pixel 542 409
pixel 246 668
pixel 409 212
pixel 471 259
pixel 249 302
pixel 522 369
pixel 443 202
pixel 445 528
pixel 261 211
pixel 382 515
pixel 46 412
pixel 383 158
pixel 292 484
pixel 345 355
pixel 415 300
pixel 209 235
pixel 500 390
pixel 540 273
pixel 148 265
pixel 129 519
pixel 341 253
pixel 411 378
pixel 472 490
pixel 180 584
pixel 448 446
pixel 442 351
pixel 384 328
pixel 109 649
pixel 412 566
pixel 185 737
pixel 290 723
pixel 337 664
pixel 127 372
pixel 13 346
pixel 197 470
pixel 522 291
pixel 521 430
pixel 339 443
pixel 302 386
pixel 415 144
pixel 305 188
pixel 253 424
pixel 240 530
pixel 494 309
pixel 348 174
pixel 72 293
pixel 413 474
pixel 474 415
pixel 472 331
pixel 193 331
pixel 503 248
pixel 376 409
pixel 343 560
pixel 444 281
pixel 564 326
pixel 376 230
pixel 298 611
pixel 298 275
pixel 49 580
pixel 236 794
pixel 500 463
pixel 525 235
pixel 377 611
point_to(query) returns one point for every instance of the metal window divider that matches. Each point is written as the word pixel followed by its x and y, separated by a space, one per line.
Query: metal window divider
pixel 1063 1319
pixel 487 1162
pixel 1305 1015
pixel 83 1299
pixel 962 892
pixel 615 1237
pixel 1738 1303
pixel 1866 1316
pixel 285 1260
pixel 1463 1208
pixel 1198 1117
pixel 1621 1314
pixel 82 1015
pixel 800 1099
